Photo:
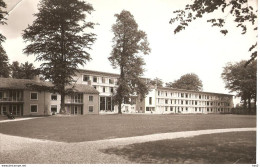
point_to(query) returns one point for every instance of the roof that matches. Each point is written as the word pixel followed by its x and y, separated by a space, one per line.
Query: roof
pixel 11 83
pixel 193 91
pixel 100 73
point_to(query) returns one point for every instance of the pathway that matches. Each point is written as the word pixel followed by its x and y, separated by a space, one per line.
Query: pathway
pixel 23 150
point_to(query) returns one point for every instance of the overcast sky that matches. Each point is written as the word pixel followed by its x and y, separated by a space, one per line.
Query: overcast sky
pixel 199 49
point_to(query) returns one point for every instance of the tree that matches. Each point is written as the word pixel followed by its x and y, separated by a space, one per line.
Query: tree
pixel 240 10
pixel 156 82
pixel 241 80
pixel 23 71
pixel 128 43
pixel 4 65
pixel 188 81
pixel 59 37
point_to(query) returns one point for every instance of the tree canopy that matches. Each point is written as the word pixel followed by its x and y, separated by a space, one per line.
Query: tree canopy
pixel 156 82
pixel 4 65
pixel 59 37
pixel 188 82
pixel 242 13
pixel 241 80
pixel 23 71
pixel 128 44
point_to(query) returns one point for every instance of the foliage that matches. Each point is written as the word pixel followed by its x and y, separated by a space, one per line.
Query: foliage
pixel 23 71
pixel 188 81
pixel 4 65
pixel 58 37
pixel 240 10
pixel 128 43
pixel 241 80
pixel 156 82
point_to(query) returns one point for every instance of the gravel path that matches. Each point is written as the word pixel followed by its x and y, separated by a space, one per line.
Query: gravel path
pixel 21 150
pixel 17 119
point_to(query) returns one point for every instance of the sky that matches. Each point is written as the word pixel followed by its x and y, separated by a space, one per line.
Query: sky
pixel 200 49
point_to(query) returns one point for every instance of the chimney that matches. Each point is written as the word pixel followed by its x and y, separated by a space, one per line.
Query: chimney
pixel 37 78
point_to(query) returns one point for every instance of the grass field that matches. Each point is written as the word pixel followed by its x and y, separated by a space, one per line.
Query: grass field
pixel 225 148
pixel 97 127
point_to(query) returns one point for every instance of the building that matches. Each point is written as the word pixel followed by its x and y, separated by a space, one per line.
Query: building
pixel 168 100
pixel 159 99
pixel 18 98
pixel 106 84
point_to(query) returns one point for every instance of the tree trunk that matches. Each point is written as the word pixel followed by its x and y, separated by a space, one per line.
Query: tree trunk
pixel 62 104
pixel 119 107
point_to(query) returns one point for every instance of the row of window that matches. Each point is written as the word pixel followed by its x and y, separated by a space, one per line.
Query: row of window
pixel 96 79
pixel 193 102
pixel 34 108
pixel 196 109
pixel 104 89
pixel 189 95
pixel 54 97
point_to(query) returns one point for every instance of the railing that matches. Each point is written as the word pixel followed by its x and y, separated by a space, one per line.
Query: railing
pixel 77 101
pixel 11 99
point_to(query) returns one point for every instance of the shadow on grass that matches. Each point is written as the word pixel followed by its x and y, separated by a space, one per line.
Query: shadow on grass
pixel 224 148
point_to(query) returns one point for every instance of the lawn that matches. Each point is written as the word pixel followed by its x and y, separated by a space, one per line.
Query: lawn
pixel 97 127
pixel 224 148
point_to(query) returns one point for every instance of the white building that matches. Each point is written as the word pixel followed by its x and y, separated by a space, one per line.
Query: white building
pixel 160 100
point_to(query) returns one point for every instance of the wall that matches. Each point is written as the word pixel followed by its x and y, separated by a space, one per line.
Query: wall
pixel 87 103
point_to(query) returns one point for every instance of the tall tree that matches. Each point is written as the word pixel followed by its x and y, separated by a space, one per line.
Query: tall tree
pixel 59 37
pixel 23 71
pixel 242 80
pixel 156 82
pixel 188 81
pixel 4 65
pixel 128 43
pixel 241 11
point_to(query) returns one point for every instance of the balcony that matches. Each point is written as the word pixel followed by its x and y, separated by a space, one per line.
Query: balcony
pixel 11 99
pixel 73 101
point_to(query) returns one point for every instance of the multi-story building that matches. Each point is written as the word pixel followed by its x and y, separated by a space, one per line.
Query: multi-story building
pixel 18 98
pixel 159 99
pixel 168 100
pixel 106 84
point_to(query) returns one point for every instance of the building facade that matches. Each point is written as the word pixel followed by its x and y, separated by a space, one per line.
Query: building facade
pixel 18 99
pixel 168 100
pixel 106 84
pixel 159 99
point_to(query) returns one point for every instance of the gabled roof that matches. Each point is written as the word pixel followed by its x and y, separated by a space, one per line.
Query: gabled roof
pixel 11 83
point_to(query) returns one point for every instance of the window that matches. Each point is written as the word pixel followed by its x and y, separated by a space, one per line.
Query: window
pixel 104 89
pixel 34 96
pixel 85 77
pixel 111 81
pixel 199 96
pixel 53 109
pixel 94 79
pixel 1 95
pixel 53 97
pixel 171 108
pixel 141 108
pixel 186 95
pixel 95 87
pixel 112 90
pixel 158 93
pixel 186 101
pixel 34 108
pixel 90 108
pixel 166 93
pixel 90 98
pixel 182 95
pixel 166 101
pixel 150 100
